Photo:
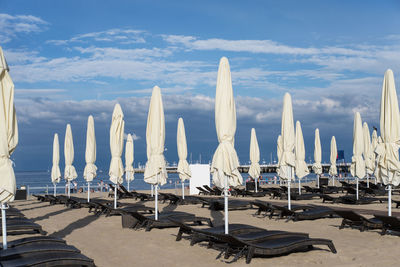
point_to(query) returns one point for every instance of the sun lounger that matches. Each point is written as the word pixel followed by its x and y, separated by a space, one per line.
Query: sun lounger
pixel 276 246
pixel 203 191
pixel 125 193
pixel 130 208
pixel 211 234
pixel 18 226
pixel 352 191
pixel 245 240
pixel 332 189
pixel 346 184
pixel 11 213
pixel 120 193
pixel 46 198
pixel 310 189
pixel 277 193
pixel 350 199
pixel 133 194
pixel 313 214
pixel 27 249
pixel 244 193
pixel 327 198
pixel 353 219
pixel 42 239
pixel 233 204
pixel 283 211
pixel 262 206
pixel 292 190
pixel 299 213
pixel 397 203
pixel 212 191
pixel 389 223
pixel 61 258
pixel 306 196
pixel 100 207
pixel 138 220
pixel 374 192
pixel 205 201
pixel 175 199
pixel 142 196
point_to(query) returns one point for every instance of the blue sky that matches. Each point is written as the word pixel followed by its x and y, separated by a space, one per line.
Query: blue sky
pixel 70 59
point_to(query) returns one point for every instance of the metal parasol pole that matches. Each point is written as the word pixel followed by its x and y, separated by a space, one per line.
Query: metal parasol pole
pixel 226 205
pixel 115 195
pixel 4 224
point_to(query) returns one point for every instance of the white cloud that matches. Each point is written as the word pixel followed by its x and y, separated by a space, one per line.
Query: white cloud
pixel 255 46
pixel 12 26
pixel 38 91
pixel 111 52
pixel 121 36
pixel 14 56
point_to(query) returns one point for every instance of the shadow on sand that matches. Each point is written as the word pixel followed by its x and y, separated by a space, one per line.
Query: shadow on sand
pixel 28 203
pixel 48 215
pixel 74 226
pixel 217 217
pixel 34 208
pixel 169 207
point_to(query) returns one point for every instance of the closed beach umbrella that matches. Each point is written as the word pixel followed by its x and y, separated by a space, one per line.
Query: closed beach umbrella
pixel 279 150
pixel 183 165
pixel 300 155
pixel 388 165
pixel 317 167
pixel 116 170
pixel 288 161
pixel 8 141
pixel 129 152
pixel 374 143
pixel 377 159
pixel 369 164
pixel 225 160
pixel 89 173
pixel 254 170
pixel 55 169
pixel 333 169
pixel 155 172
pixel 69 171
pixel 357 168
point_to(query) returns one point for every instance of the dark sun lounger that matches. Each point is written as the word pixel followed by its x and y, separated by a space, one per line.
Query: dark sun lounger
pixel 27 249
pixel 138 220
pixel 62 258
pixel 249 241
pixel 389 223
pixel 42 239
pixel 19 226
pixel 353 219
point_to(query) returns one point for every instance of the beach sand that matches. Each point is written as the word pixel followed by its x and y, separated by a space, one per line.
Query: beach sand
pixel 103 238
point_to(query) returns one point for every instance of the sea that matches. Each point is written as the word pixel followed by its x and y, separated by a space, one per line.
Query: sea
pixel 39 182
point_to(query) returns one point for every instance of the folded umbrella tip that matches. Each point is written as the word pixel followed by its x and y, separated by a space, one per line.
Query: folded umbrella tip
pixel 117 110
pixel 156 89
pixel 287 99
pixel 224 62
pixel 389 72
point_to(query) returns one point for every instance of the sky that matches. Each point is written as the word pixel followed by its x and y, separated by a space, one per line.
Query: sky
pixel 71 59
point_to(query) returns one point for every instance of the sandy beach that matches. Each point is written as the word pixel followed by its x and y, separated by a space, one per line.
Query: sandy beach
pixel 103 238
